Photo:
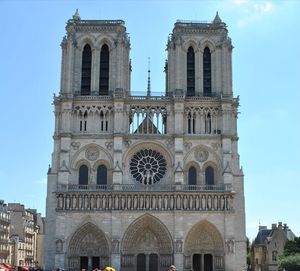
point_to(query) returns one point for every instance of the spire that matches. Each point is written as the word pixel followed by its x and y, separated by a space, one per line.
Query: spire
pixel 149 82
pixel 76 16
pixel 217 19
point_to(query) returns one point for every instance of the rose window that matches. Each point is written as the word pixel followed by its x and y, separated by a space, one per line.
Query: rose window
pixel 148 166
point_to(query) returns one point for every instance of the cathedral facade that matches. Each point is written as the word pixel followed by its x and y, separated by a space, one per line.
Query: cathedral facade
pixel 142 182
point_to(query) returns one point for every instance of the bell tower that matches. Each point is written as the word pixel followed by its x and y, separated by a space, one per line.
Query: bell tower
pixel 95 57
pixel 199 59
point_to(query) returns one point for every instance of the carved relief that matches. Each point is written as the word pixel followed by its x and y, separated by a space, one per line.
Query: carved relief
pixel 178 246
pixel 115 246
pixel 92 153
pixel 127 143
pixel 201 155
pixel 230 244
pixel 187 145
pixel 215 145
pixel 169 143
pixel 75 145
pixel 59 246
pixel 109 145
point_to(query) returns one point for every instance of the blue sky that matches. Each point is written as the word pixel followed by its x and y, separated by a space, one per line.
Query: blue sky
pixel 266 76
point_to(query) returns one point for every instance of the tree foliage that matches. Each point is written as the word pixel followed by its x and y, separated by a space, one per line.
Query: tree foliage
pixel 290 263
pixel 290 260
pixel 291 247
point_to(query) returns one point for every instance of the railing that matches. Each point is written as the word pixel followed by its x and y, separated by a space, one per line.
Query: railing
pixel 142 95
pixel 101 22
pixel 145 188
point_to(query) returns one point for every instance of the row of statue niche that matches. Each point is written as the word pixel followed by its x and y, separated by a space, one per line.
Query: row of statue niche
pixel 218 202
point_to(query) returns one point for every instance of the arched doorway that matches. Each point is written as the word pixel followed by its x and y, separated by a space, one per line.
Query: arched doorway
pixel 88 249
pixel 204 249
pixel 147 246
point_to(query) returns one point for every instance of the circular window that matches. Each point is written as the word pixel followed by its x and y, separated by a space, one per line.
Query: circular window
pixel 148 166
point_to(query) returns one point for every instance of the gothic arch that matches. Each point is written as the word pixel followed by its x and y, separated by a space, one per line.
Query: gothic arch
pixel 203 237
pixel 212 157
pixel 190 43
pixel 81 155
pixel 106 40
pixel 101 162
pixel 86 39
pixel 89 241
pixel 207 43
pixel 147 233
pixel 81 162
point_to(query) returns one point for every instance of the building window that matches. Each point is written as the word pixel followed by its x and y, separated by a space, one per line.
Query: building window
pixel 102 175
pixel 207 72
pixel 103 122
pixel 209 176
pixel 83 121
pixel 208 123
pixel 86 70
pixel 148 166
pixel 274 256
pixel 104 70
pixel 192 176
pixel 191 123
pixel 190 72
pixel 83 175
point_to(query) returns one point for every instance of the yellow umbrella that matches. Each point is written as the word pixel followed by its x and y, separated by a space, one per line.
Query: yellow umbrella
pixel 109 269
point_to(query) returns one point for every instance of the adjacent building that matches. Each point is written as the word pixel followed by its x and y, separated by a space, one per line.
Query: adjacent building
pixel 143 182
pixel 269 245
pixel 26 236
pixel 4 233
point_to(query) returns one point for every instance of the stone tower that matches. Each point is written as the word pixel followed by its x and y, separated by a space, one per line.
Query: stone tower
pixel 143 182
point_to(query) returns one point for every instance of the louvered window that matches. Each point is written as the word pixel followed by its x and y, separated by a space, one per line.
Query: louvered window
pixel 190 72
pixel 207 72
pixel 104 70
pixel 86 69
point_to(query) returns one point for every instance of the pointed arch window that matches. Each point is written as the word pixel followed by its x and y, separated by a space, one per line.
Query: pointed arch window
pixel 191 123
pixel 206 72
pixel 208 123
pixel 102 175
pixel 86 70
pixel 190 72
pixel 104 70
pixel 209 176
pixel 83 175
pixel 192 176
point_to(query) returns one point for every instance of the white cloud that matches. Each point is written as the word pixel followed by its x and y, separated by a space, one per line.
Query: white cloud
pixel 251 11
pixel 264 7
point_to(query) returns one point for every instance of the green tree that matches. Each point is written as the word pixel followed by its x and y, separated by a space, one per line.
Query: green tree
pixel 290 263
pixel 291 247
pixel 290 260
